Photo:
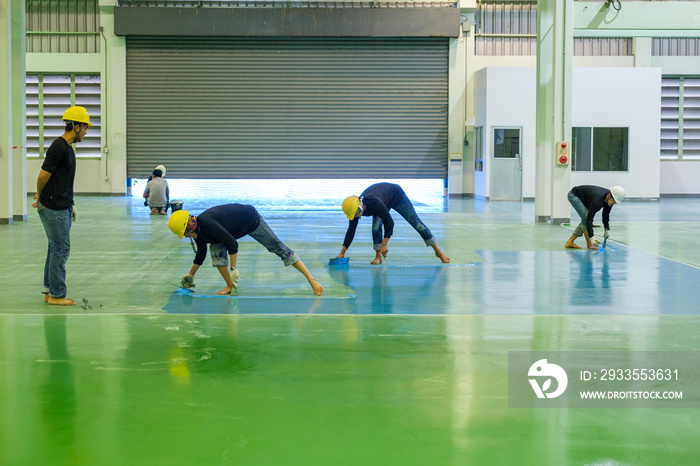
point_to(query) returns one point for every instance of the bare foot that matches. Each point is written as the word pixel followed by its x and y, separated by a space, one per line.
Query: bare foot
pixel 226 290
pixel 443 258
pixel 318 289
pixel 572 245
pixel 376 261
pixel 593 247
pixel 58 301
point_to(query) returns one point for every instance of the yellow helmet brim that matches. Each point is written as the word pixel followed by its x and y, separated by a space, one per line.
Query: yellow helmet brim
pixel 178 222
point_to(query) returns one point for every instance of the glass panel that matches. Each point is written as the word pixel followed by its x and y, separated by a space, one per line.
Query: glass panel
pixel 610 149
pixel 581 145
pixel 506 143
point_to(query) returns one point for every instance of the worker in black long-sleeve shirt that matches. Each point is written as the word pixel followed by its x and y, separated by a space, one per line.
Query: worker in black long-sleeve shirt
pixel 221 226
pixel 376 201
pixel 587 200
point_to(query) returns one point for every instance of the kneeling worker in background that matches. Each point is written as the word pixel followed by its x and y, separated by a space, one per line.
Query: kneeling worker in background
pixel 221 226
pixel 157 193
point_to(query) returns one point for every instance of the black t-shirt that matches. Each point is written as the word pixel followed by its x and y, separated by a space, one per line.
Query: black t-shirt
pixel 60 162
pixel 224 224
pixel 594 198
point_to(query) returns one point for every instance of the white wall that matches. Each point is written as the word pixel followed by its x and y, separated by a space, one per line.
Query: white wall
pixel 622 97
pixel 88 178
pixel 506 96
pixel 680 178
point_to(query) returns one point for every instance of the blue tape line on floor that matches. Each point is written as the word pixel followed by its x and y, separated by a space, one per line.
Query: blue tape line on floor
pixel 414 266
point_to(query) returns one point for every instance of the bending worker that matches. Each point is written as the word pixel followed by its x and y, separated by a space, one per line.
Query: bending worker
pixel 221 226
pixel 376 201
pixel 586 201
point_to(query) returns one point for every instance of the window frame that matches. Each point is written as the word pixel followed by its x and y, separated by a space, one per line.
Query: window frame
pixel 591 159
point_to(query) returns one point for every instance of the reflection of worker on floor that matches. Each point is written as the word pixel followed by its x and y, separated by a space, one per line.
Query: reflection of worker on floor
pixel 587 201
pixel 376 201
pixel 387 290
pixel 58 398
pixel 221 226
pixel 585 291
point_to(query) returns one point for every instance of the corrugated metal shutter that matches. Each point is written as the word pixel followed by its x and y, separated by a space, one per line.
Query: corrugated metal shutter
pixel 293 108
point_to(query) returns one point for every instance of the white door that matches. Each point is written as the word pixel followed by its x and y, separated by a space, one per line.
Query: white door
pixel 506 169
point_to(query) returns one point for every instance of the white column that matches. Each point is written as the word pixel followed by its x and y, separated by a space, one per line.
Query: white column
pixel 5 112
pixel 113 166
pixel 455 142
pixel 554 89
pixel 19 112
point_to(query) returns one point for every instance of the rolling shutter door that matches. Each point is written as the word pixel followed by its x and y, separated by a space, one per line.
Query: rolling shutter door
pixel 295 108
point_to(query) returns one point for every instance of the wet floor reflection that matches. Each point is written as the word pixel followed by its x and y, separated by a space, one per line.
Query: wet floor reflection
pixel 58 397
pixel 615 281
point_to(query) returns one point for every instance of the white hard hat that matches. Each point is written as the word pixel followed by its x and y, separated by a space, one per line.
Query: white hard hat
pixel 618 193
pixel 162 169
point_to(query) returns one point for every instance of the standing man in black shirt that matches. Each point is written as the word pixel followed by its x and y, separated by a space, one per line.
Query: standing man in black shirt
pixel 376 201
pixel 586 201
pixel 54 203
pixel 221 226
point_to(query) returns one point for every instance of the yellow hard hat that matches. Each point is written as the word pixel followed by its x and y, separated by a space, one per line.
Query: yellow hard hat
pixel 350 206
pixel 78 114
pixel 178 222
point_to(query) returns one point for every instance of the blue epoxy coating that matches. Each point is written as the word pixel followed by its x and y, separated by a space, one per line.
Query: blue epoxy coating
pixel 410 266
pixel 615 281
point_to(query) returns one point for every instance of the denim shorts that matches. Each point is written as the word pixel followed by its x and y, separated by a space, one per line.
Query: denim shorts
pixel 264 235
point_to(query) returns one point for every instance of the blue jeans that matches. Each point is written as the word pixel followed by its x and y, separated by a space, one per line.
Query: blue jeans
pixel 57 224
pixel 581 210
pixel 264 235
pixel 406 210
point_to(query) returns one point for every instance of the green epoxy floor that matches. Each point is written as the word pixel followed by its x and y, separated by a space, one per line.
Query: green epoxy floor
pixel 399 364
